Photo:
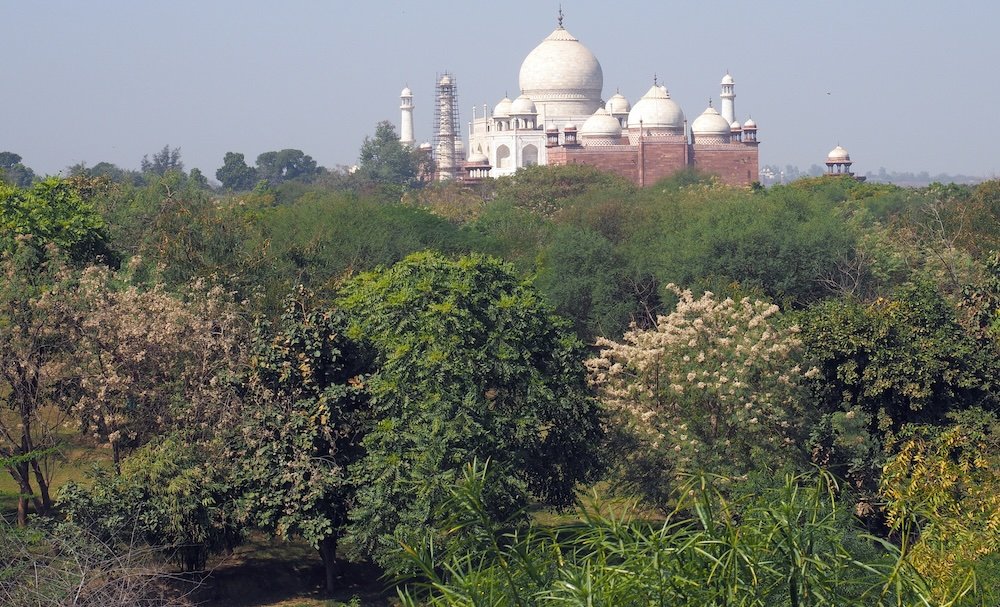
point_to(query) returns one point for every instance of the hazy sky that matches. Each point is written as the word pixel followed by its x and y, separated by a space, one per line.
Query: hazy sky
pixel 902 85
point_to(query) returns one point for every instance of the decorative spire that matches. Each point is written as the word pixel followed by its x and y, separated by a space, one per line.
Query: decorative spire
pixel 709 102
pixel 655 83
pixel 560 18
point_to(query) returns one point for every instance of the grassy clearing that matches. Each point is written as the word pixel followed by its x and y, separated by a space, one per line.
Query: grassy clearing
pixel 77 456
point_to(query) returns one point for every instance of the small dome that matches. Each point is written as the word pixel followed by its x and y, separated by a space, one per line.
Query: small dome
pixel 749 124
pixel 426 146
pixel 656 110
pixel 446 79
pixel 838 154
pixel 406 92
pixel 502 108
pixel 618 104
pixel 735 126
pixel 711 123
pixel 478 158
pixel 601 124
pixel 522 105
pixel 727 79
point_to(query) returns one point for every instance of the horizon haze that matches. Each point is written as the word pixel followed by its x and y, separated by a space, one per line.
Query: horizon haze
pixel 112 81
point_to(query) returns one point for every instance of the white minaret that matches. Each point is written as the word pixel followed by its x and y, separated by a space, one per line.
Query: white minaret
pixel 406 120
pixel 728 99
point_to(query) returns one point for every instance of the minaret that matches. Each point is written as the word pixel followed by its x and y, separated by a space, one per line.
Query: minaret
pixel 728 99
pixel 406 119
pixel 446 109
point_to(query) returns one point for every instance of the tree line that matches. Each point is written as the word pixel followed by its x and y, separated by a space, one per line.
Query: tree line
pixel 404 368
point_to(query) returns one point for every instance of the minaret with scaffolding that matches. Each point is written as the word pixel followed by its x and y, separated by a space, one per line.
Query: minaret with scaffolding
pixel 446 116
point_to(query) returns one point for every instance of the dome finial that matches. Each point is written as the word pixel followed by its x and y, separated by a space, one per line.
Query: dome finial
pixel 709 102
pixel 560 18
pixel 655 83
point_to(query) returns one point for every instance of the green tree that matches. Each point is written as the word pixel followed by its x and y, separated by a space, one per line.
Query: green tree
pixel 942 492
pixel 13 171
pixel 52 212
pixel 469 364
pixel 900 359
pixel 708 236
pixel 581 275
pixel 106 169
pixel 981 301
pixel 546 189
pixel 235 174
pixel 321 238
pixel 285 165
pixel 198 179
pixel 175 494
pixel 385 161
pixel 165 161
pixel 305 417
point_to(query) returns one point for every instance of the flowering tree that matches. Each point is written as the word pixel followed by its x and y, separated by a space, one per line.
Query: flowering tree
pixel 149 359
pixel 35 287
pixel 714 386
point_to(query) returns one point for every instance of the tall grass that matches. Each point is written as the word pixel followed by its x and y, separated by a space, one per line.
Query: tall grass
pixel 792 545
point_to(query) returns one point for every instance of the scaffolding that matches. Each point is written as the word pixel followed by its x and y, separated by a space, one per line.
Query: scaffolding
pixel 446 131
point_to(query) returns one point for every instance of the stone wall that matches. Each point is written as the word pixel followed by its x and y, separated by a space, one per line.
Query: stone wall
pixel 734 163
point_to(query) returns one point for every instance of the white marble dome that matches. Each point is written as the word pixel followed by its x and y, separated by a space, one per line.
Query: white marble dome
pixel 749 124
pixel 657 111
pixel 602 128
pixel 522 106
pixel 502 108
pixel 711 124
pixel 727 79
pixel 406 92
pixel 735 125
pixel 562 76
pixel 618 104
pixel 838 154
pixel 478 158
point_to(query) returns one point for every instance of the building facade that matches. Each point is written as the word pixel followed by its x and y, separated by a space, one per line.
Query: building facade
pixel 561 118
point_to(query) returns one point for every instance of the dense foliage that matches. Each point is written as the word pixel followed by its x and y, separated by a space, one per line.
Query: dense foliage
pixel 470 363
pixel 715 387
pixel 305 416
pixel 320 355
pixel 793 544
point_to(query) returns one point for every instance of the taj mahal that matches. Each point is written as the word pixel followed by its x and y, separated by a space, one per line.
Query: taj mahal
pixel 561 118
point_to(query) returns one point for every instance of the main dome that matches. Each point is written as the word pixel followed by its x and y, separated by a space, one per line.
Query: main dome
pixel 562 76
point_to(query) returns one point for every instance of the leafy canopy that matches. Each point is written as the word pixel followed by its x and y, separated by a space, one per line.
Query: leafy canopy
pixel 469 364
pixel 52 212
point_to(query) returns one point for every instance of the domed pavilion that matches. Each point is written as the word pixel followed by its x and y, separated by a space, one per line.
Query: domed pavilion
pixel 560 116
